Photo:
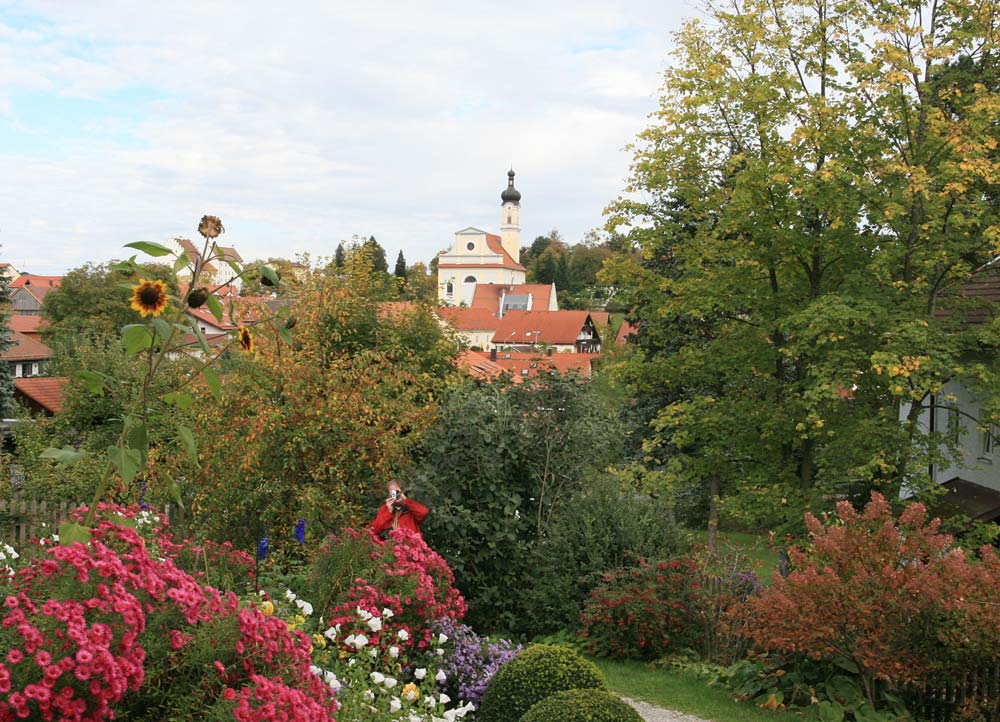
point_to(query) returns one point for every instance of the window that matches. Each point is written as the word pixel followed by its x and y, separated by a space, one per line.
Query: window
pixel 449 288
pixel 954 424
pixel 508 219
pixel 26 369
pixel 470 279
pixel 470 246
pixel 524 372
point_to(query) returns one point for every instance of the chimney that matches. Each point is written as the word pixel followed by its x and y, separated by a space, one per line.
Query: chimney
pixel 493 354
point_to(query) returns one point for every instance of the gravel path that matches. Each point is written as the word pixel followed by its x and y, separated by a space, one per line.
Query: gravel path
pixel 652 713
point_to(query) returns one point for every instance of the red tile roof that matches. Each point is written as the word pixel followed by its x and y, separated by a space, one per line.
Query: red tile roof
pixel 30 279
pixel 557 327
pixel 477 365
pixel 525 365
pixel 46 392
pixel 25 324
pixel 487 295
pixel 468 319
pixel 624 331
pixel 26 348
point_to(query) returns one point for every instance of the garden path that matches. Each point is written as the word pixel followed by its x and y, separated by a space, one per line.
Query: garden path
pixel 652 713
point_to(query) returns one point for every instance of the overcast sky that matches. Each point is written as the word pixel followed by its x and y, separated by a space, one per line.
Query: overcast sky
pixel 303 123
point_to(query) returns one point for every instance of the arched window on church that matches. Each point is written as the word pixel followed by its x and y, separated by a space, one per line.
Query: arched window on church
pixel 449 288
pixel 508 219
pixel 470 279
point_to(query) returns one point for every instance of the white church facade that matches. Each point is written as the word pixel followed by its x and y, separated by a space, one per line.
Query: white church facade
pixel 479 257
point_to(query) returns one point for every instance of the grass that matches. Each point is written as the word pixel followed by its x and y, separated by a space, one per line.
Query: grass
pixel 759 555
pixel 683 692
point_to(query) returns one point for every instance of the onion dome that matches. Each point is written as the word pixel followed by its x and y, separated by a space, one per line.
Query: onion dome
pixel 510 194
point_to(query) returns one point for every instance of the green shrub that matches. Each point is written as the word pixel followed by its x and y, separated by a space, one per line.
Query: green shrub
pixel 536 673
pixel 581 705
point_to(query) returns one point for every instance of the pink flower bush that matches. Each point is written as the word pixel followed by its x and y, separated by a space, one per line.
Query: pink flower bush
pixel 95 630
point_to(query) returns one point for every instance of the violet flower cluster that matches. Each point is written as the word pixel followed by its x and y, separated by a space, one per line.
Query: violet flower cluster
pixel 472 660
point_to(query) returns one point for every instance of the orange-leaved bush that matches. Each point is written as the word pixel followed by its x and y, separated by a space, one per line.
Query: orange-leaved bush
pixel 892 596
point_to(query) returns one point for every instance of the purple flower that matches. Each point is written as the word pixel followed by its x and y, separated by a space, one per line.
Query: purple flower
pixel 300 531
pixel 472 660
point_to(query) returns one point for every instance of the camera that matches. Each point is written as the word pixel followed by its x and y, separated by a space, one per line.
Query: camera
pixel 397 501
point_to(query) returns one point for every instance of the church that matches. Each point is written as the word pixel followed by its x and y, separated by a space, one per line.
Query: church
pixel 478 257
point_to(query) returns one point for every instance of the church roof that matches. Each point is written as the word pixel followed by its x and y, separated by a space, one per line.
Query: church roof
pixel 494 243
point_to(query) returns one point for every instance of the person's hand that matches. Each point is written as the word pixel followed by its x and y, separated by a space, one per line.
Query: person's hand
pixel 389 502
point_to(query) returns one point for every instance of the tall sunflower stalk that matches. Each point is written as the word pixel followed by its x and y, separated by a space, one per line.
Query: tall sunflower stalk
pixel 166 331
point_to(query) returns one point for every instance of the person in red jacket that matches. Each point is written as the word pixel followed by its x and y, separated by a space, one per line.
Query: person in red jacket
pixel 398 512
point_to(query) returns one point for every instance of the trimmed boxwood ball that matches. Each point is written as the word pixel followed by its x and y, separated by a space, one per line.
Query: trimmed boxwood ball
pixel 581 705
pixel 538 672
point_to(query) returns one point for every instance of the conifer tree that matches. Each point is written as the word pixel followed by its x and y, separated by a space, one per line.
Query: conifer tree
pixel 400 270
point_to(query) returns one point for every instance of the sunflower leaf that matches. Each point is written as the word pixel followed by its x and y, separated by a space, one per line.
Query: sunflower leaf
pixel 137 338
pixel 148 247
pixel 162 329
pixel 182 260
pixel 70 532
pixel 93 381
pixel 213 381
pixel 127 462
pixel 200 335
pixel 187 440
pixel 65 455
pixel 215 306
pixel 270 274
pixel 179 399
pixel 285 335
pixel 175 489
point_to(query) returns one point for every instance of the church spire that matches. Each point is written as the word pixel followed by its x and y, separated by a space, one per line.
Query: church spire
pixel 510 194
pixel 510 222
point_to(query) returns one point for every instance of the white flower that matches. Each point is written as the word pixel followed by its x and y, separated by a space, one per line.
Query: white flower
pixel 391 682
pixel 441 676
pixel 331 679
pixel 331 633
pixel 394 651
pixel 403 635
pixel 350 640
pixel 445 699
pixel 439 652
pixel 360 641
pixel 395 705
pixel 352 662
pixel 375 624
pixel 289 595
pixel 55 537
pixel 420 673
pixel 377 677
pixel 364 614
pixel 316 670
pixel 430 701
pixel 373 653
pixel 449 715
pixel 305 606
pixel 387 613
pixel 415 718
pixel 370 695
pixel 261 592
pixel 442 638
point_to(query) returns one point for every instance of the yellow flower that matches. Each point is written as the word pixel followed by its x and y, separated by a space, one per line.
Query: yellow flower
pixel 319 641
pixel 149 298
pixel 411 692
pixel 266 608
pixel 246 339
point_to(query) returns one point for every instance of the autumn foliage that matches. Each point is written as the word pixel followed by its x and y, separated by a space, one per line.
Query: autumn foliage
pixel 893 596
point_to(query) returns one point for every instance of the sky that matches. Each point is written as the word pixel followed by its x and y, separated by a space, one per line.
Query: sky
pixel 302 124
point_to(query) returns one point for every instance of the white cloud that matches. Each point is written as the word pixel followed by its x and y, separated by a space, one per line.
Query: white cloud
pixel 303 124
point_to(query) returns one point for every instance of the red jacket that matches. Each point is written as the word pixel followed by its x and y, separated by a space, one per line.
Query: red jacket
pixel 410 518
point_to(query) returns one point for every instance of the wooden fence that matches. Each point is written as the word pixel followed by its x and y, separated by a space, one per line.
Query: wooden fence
pixel 974 697
pixel 22 519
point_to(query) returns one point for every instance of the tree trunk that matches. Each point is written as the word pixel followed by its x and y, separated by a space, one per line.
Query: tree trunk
pixel 714 490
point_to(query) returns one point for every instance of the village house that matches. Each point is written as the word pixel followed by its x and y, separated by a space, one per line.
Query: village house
pixel 216 272
pixel 27 292
pixel 41 395
pixel 563 331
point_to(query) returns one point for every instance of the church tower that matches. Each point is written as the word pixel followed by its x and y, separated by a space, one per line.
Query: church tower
pixel 510 224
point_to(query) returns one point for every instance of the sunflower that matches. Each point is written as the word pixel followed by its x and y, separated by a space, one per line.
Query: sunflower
pixel 210 227
pixel 246 339
pixel 149 298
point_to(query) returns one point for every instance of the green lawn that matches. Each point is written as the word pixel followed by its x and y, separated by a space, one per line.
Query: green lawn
pixel 683 692
pixel 755 547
